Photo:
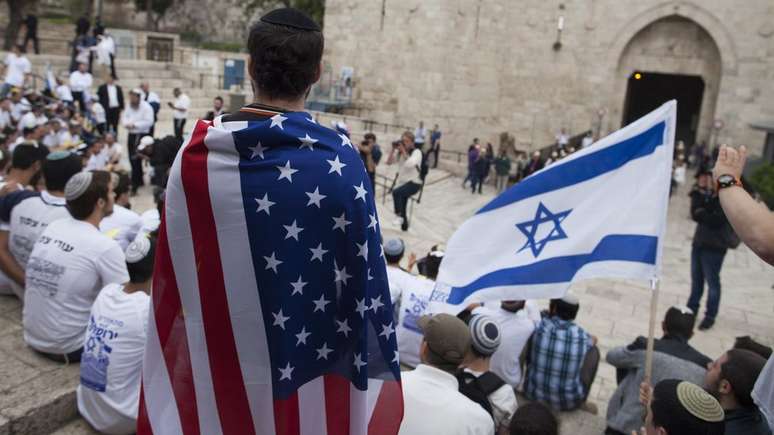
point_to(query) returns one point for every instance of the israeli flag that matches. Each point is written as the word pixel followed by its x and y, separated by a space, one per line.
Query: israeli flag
pixel 599 213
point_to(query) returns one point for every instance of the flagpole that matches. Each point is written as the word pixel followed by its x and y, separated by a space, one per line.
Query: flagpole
pixel 654 287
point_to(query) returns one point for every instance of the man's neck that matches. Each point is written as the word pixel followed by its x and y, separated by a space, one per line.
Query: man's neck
pixel 728 402
pixel 95 218
pixel 133 287
pixel 478 365
pixel 19 176
pixel 289 105
pixel 57 193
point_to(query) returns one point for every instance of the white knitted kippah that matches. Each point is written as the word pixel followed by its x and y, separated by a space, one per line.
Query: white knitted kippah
pixel 138 249
pixel 77 185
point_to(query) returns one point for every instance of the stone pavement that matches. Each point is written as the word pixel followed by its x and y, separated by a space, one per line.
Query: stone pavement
pixel 37 396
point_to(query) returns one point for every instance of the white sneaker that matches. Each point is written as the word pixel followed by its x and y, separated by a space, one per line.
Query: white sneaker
pixel 398 222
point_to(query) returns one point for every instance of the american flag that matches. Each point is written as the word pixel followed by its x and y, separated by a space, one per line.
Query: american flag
pixel 271 311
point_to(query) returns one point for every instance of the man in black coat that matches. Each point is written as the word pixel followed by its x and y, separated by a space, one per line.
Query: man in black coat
pixel 111 97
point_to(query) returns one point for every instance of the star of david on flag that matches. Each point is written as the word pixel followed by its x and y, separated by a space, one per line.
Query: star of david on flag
pixel 270 309
pixel 599 213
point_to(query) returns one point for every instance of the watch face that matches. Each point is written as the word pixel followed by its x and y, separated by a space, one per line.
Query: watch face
pixel 726 180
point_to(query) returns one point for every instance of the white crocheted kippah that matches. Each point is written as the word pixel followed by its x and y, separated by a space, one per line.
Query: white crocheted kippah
pixel 77 185
pixel 138 249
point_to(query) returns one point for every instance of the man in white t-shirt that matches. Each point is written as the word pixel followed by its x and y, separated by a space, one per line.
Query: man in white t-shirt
pixel 17 70
pixel 517 320
pixel 123 224
pixel 409 181
pixel 80 85
pixel 111 364
pixel 397 277
pixel 70 263
pixel 180 108
pixel 26 214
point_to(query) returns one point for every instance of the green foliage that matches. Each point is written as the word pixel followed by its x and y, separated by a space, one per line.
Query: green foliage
pixel 315 8
pixel 762 180
pixel 235 47
pixel 159 7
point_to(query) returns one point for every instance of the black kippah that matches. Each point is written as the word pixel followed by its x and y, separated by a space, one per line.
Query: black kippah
pixel 291 17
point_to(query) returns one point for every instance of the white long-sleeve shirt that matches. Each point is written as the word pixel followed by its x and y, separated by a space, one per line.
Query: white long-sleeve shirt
pixel 80 82
pixel 140 118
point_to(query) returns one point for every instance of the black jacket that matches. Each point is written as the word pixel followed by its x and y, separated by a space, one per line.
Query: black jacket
pixel 746 422
pixel 706 211
pixel 102 95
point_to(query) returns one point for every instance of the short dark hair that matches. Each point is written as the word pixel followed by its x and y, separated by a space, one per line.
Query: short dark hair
pixel 25 155
pixel 82 207
pixel 670 414
pixel 392 259
pixel 741 370
pixel 142 270
pixel 564 310
pixel 534 419
pixel 432 266
pixel 123 185
pixel 219 98
pixel 58 172
pixel 676 322
pixel 370 136
pixel 284 62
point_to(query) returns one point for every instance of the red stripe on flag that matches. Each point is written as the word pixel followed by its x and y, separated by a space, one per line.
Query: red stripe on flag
pixel 286 416
pixel 233 405
pixel 388 412
pixel 337 404
pixel 170 325
pixel 143 424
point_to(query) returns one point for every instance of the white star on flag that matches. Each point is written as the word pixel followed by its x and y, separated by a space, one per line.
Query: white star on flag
pixel 387 330
pixel 362 250
pixel 298 286
pixel 373 222
pixel 370 277
pixel 311 120
pixel 376 303
pixel 286 373
pixel 277 120
pixel 272 262
pixel 345 142
pixel 319 304
pixel 361 307
pixel 359 362
pixel 341 222
pixel 293 230
pixel 257 151
pixel 264 204
pixel 280 319
pixel 343 327
pixel 287 172
pixel 317 253
pixel 307 142
pixel 322 353
pixel 396 358
pixel 302 336
pixel 315 197
pixel 361 192
pixel 336 165
pixel 341 274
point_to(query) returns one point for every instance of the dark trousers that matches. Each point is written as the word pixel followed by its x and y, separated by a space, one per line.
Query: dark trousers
pixel 101 128
pixel 79 98
pixel 477 179
pixel 705 266
pixel 400 197
pixel 134 160
pixel 74 356
pixel 34 38
pixel 588 370
pixel 112 116
pixel 468 177
pixel 179 124
pixel 113 67
pixel 436 150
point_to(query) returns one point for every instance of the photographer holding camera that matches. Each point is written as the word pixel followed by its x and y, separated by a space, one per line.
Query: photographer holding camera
pixel 160 154
pixel 409 178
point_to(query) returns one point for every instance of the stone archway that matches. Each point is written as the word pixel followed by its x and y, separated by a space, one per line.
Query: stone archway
pixel 675 46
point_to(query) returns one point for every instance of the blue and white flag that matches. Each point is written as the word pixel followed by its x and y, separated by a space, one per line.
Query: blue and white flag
pixel 599 213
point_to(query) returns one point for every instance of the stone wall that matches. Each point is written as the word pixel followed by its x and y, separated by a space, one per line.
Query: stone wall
pixel 482 67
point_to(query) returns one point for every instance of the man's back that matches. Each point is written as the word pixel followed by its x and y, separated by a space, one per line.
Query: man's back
pixel 516 329
pixel 413 303
pixel 673 358
pixel 433 405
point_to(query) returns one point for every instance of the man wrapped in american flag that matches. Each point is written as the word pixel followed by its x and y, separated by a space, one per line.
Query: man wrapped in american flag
pixel 271 311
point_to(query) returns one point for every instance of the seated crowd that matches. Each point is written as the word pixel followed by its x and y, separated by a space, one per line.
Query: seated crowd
pixel 469 369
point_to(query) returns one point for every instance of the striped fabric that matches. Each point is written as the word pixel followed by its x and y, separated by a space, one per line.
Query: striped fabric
pixel 271 310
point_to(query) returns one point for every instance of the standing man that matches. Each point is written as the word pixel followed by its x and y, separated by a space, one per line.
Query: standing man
pixel 138 120
pixel 31 25
pixel 111 97
pixel 153 99
pixel 303 201
pixel 502 170
pixel 180 106
pixel 409 182
pixel 419 135
pixel 562 139
pixel 435 144
pixel 17 70
pixel 80 84
pixel 709 247
pixel 217 109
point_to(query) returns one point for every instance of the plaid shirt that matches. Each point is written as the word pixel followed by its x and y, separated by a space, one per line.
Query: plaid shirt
pixel 556 356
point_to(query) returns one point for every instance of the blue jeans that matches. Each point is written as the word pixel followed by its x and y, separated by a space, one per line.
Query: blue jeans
pixel 705 266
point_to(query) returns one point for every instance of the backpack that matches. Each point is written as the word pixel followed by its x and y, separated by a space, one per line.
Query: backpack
pixel 479 388
pixel 423 167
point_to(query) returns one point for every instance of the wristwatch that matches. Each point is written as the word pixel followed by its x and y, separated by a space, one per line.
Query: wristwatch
pixel 727 180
